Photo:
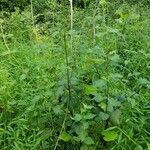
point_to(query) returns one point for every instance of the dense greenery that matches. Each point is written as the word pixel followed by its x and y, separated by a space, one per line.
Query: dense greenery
pixel 72 80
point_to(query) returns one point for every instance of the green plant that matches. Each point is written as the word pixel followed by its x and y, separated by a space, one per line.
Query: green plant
pixel 74 78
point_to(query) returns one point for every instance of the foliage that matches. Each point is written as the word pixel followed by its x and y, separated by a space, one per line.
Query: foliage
pixel 81 88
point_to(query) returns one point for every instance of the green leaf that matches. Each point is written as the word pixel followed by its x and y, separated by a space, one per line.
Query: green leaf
pixel 82 135
pixel 89 116
pixel 115 59
pixel 103 116
pixel 103 2
pixel 87 106
pixel 98 98
pixel 148 146
pixel 58 110
pixel 65 137
pixel 99 83
pixel 102 105
pixel 115 117
pixel 84 147
pixel 110 135
pixel 88 141
pixel 87 147
pixel 113 103
pixel 143 81
pixel 89 89
pixel 78 117
pixel 2 130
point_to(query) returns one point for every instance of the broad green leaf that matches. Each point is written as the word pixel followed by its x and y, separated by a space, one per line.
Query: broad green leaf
pixel 134 16
pixel 78 117
pixel 99 83
pixel 82 135
pixel 89 89
pixel 84 147
pixel 103 2
pixel 98 98
pixel 115 59
pixel 102 105
pixel 89 116
pixel 57 110
pixel 143 81
pixel 110 135
pixel 113 103
pixel 103 116
pixel 88 141
pixel 85 125
pixel 65 137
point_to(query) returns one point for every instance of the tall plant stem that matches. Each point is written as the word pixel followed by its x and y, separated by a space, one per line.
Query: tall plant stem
pixel 32 14
pixel 106 64
pixel 107 80
pixel 106 123
pixel 94 23
pixel 71 24
pixel 68 75
pixel 69 91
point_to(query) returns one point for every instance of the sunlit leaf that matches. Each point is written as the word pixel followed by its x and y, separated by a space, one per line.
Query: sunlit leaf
pixel 103 106
pixel 110 135
pixel 89 89
pixel 65 137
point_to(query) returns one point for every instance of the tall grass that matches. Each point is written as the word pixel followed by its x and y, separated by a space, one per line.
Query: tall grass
pixel 96 75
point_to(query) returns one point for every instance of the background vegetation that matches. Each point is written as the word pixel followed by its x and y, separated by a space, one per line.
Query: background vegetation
pixel 74 79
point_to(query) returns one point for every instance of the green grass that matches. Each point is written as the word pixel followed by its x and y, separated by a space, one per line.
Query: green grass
pixel 111 73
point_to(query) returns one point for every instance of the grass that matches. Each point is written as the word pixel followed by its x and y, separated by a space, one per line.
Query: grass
pixel 109 70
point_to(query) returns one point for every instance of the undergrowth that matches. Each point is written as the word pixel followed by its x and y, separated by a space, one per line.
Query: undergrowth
pixel 83 85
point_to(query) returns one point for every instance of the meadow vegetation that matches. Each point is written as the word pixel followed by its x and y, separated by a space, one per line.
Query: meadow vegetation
pixel 74 78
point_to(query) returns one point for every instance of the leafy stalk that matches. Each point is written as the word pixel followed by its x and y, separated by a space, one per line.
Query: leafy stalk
pixel 69 92
pixel 68 75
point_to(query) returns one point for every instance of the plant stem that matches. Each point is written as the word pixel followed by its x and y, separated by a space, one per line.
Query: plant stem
pixel 32 14
pixel 69 91
pixel 71 23
pixel 68 75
